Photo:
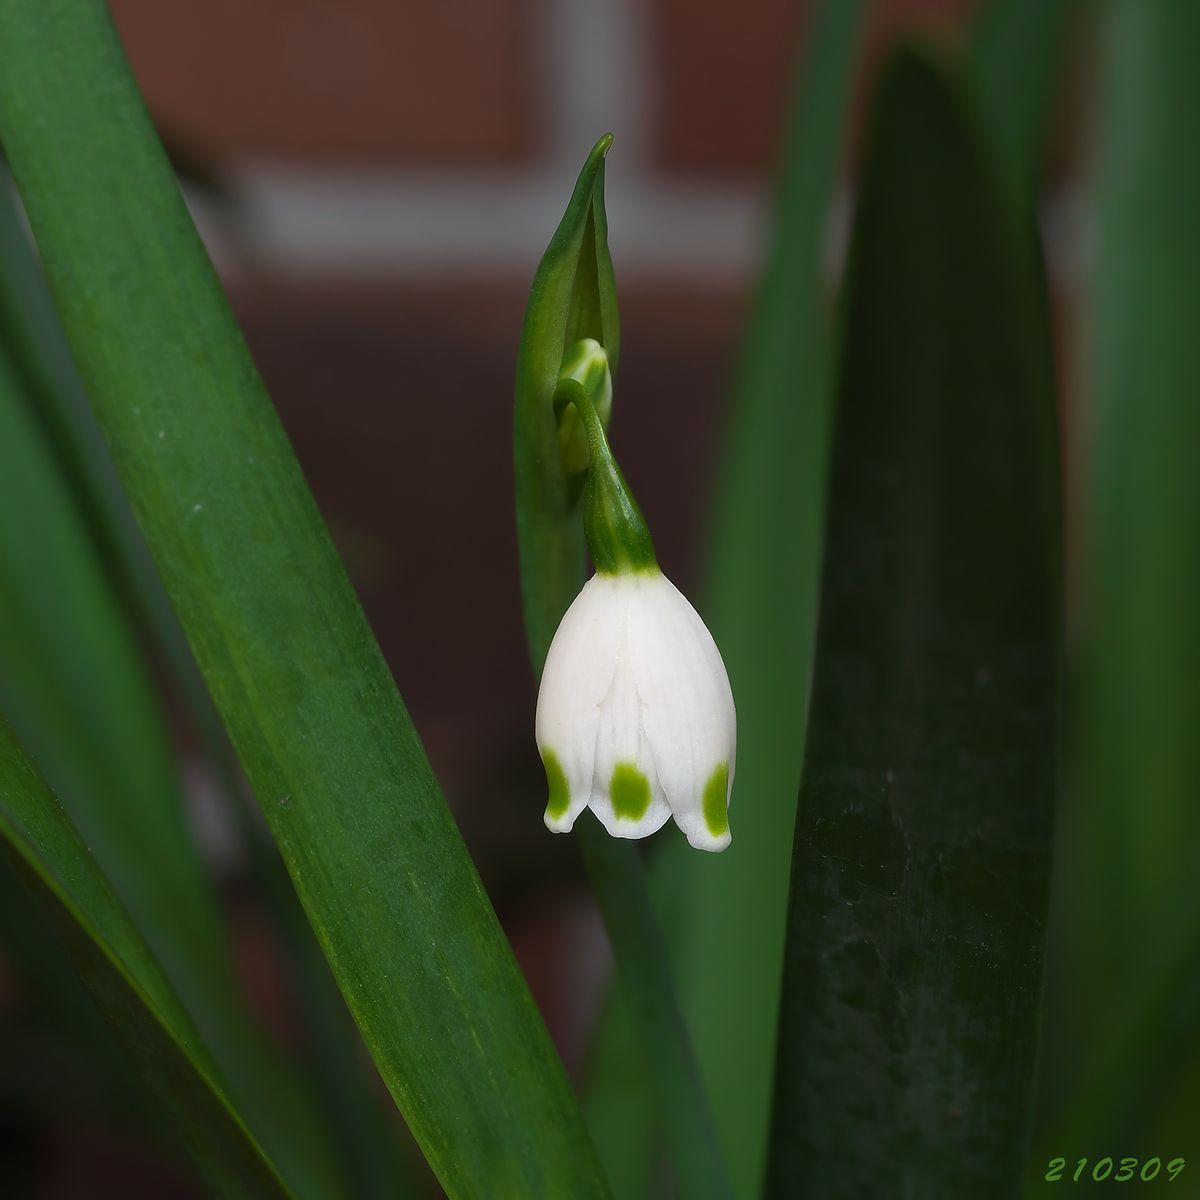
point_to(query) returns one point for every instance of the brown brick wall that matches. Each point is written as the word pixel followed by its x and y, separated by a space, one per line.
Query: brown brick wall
pixel 437 81
pixel 725 72
pixel 458 82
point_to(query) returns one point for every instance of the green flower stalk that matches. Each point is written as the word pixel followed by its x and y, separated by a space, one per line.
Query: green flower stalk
pixel 635 717
pixel 616 532
pixel 566 480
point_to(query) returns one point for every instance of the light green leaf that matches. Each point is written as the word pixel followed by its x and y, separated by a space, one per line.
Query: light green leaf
pixel 51 386
pixel 73 685
pixel 919 886
pixel 274 623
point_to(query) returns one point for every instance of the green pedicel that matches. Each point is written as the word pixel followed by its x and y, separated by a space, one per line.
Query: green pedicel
pixel 560 793
pixel 630 792
pixel 716 811
pixel 613 525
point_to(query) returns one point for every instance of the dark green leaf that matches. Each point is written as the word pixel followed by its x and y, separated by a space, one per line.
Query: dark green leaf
pixel 60 1059
pixel 38 844
pixel 620 1104
pixel 919 882
pixel 1130 891
pixel 306 697
pixel 1015 58
pixel 74 688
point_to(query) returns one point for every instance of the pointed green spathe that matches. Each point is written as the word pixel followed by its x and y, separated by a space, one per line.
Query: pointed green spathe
pixel 573 297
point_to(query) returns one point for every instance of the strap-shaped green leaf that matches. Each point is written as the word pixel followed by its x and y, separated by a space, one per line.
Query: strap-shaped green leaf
pixel 1125 1044
pixel 1015 56
pixel 75 690
pixel 70 553
pixel 39 844
pixel 920 872
pixel 284 647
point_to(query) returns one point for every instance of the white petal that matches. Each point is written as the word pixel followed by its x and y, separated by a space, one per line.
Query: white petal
pixel 578 673
pixel 687 709
pixel 635 709
pixel 626 795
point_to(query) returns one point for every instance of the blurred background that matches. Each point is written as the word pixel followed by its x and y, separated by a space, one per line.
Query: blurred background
pixel 376 181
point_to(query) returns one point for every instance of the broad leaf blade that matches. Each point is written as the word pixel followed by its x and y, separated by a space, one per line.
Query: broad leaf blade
pixel 919 883
pixel 284 647
pixel 39 845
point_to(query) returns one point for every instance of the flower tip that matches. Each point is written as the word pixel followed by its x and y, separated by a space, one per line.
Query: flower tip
pixel 558 816
pixel 558 822
pixel 706 841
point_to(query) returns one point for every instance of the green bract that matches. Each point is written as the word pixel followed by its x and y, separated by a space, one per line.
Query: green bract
pixel 573 297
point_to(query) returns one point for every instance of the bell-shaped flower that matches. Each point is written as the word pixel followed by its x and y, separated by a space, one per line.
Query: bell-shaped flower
pixel 635 718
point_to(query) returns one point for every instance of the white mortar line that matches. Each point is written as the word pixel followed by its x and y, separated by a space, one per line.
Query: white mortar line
pixel 594 70
pixel 595 74
pixel 423 222
pixel 598 76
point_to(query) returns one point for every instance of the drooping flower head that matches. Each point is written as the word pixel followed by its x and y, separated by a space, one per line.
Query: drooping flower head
pixel 635 717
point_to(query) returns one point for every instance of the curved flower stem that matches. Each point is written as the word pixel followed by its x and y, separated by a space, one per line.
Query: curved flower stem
pixel 616 531
pixel 552 579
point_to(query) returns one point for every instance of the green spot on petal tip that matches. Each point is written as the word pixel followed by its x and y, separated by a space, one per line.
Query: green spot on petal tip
pixel 560 793
pixel 716 808
pixel 630 792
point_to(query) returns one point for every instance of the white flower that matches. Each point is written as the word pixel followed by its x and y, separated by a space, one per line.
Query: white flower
pixel 635 717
